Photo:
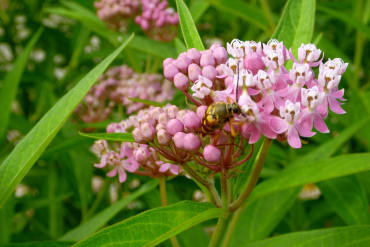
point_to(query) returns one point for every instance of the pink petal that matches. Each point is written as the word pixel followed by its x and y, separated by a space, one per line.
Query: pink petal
pixel 175 169
pixel 164 167
pixel 112 173
pixel 304 131
pixel 338 94
pixel 319 124
pixel 122 175
pixel 266 130
pixel 293 138
pixel 335 106
pixel 278 125
pixel 255 135
pixel 130 165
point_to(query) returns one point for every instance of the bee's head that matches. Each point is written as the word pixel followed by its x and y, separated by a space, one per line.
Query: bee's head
pixel 234 108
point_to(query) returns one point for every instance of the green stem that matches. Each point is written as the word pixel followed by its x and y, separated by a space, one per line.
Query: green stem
pixel 163 193
pixel 231 227
pixel 257 168
pixel 222 221
pixel 97 201
pixel 209 185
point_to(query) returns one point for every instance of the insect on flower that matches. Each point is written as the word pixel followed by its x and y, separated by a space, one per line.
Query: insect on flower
pixel 219 113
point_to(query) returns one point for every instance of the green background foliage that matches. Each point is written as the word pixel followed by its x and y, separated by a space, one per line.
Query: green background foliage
pixel 51 157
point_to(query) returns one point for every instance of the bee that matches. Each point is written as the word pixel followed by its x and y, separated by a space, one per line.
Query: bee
pixel 219 113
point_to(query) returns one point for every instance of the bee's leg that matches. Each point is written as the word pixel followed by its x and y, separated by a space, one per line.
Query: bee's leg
pixel 232 123
pixel 216 138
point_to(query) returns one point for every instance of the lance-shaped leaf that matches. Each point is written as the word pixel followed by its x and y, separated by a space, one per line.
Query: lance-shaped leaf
pixel 188 28
pixel 119 137
pixel 26 153
pixel 153 226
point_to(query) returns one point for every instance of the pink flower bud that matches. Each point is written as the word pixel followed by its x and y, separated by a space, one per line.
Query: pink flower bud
pixel 182 63
pixel 194 71
pixel 139 138
pixel 142 154
pixel 181 81
pixel 178 139
pixel 167 61
pixel 210 72
pixel 169 71
pixel 192 121
pixel 211 153
pixel 147 131
pixel 191 142
pixel 253 62
pixel 220 55
pixel 194 55
pixel 174 126
pixel 207 59
pixel 162 137
pixel 201 110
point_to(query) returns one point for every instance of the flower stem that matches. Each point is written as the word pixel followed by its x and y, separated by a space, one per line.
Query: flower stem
pixel 257 167
pixel 214 196
pixel 231 227
pixel 163 193
pixel 222 221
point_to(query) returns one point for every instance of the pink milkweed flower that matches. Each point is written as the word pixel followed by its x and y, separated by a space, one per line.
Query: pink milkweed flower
pixel 329 80
pixel 289 122
pixel 300 74
pixel 167 167
pixel 337 64
pixel 253 56
pixel 311 99
pixel 202 87
pixel 236 48
pixel 257 122
pixel 266 83
pixel 308 53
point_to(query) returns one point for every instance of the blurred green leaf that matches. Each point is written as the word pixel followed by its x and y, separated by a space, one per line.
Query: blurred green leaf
pixel 148 102
pixel 188 28
pixel 197 8
pixel 30 148
pixel 180 47
pixel 9 86
pixel 344 17
pixel 153 226
pixel 341 236
pixel 348 198
pixel 91 21
pixel 41 244
pixel 296 23
pixel 119 137
pixel 243 10
pixel 107 214
pixel 312 172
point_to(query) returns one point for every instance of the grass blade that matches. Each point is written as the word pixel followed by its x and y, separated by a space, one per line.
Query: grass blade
pixel 119 137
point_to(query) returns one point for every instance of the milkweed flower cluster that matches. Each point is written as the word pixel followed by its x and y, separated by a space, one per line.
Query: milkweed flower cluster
pixel 127 157
pixel 116 87
pixel 270 100
pixel 155 18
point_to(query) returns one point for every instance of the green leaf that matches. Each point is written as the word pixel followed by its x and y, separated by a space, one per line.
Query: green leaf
pixel 119 137
pixel 197 9
pixel 153 226
pixel 30 148
pixel 107 214
pixel 92 22
pixel 188 28
pixel 259 218
pixel 296 24
pixel 8 90
pixel 348 198
pixel 340 236
pixel 313 172
pixel 243 10
pixel 41 244
pixel 148 102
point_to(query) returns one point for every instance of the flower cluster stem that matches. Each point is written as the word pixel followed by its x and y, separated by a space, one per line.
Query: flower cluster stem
pixel 163 193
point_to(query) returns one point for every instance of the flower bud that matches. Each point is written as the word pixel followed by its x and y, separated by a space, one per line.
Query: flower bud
pixel 194 71
pixel 207 59
pixel 169 71
pixel 220 54
pixel 181 81
pixel 163 137
pixel 192 121
pixel 147 131
pixel 201 110
pixel 191 142
pixel 210 72
pixel 174 126
pixel 178 139
pixel 211 153
pixel 194 55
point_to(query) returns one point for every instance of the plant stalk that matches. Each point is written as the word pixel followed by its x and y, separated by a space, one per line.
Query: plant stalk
pixel 163 193
pixel 260 161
